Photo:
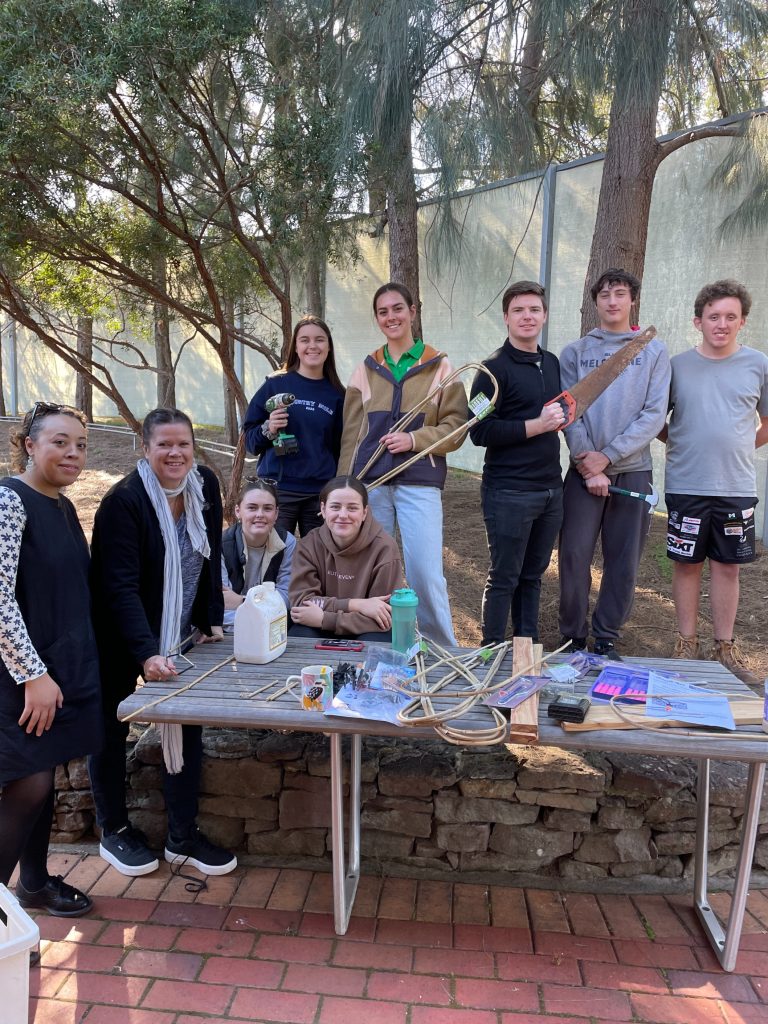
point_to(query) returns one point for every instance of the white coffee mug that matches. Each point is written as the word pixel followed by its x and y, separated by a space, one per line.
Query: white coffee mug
pixel 316 686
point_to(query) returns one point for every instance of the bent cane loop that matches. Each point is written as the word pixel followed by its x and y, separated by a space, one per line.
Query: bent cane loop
pixel 421 711
pixel 636 719
pixel 409 416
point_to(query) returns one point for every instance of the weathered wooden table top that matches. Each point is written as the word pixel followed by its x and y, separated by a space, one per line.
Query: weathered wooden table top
pixel 223 699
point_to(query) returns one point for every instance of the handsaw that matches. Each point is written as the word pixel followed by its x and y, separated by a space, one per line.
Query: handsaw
pixel 584 392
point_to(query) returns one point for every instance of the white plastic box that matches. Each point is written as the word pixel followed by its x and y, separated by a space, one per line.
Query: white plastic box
pixel 18 934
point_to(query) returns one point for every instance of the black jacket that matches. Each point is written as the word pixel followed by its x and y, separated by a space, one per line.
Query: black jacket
pixel 234 557
pixel 127 567
pixel 513 461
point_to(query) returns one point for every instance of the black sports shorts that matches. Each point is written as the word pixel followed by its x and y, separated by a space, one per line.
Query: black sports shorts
pixel 701 526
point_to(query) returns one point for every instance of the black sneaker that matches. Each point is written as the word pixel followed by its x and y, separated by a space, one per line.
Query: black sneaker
pixel 199 852
pixel 606 649
pixel 57 897
pixel 127 851
pixel 578 643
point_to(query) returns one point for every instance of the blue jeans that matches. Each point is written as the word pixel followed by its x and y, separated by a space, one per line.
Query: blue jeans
pixel 418 513
pixel 522 528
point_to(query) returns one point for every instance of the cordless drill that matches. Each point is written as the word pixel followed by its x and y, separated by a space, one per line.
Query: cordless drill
pixel 284 443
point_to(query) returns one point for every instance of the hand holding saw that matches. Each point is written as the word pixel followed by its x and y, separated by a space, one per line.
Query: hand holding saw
pixel 575 402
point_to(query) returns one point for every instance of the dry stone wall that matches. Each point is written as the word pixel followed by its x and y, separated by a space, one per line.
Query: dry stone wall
pixel 428 806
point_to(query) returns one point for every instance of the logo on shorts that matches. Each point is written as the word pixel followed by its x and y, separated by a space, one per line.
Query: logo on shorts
pixel 731 515
pixel 747 512
pixel 733 531
pixel 680 546
pixel 686 527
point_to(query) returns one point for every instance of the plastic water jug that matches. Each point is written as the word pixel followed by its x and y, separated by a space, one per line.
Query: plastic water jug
pixel 261 626
pixel 404 603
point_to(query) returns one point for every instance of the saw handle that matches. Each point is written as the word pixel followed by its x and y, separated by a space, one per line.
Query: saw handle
pixel 567 403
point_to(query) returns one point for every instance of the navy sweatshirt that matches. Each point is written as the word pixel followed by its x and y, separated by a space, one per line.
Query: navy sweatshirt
pixel 315 419
pixel 514 462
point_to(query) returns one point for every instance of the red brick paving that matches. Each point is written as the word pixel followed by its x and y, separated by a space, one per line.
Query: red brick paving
pixel 260 946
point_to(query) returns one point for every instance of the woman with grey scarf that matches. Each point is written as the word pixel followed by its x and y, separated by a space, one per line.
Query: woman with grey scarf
pixel 156 557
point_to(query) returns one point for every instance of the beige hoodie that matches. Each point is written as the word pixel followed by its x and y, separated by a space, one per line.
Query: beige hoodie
pixel 369 567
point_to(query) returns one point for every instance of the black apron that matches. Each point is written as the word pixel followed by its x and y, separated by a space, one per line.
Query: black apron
pixel 53 595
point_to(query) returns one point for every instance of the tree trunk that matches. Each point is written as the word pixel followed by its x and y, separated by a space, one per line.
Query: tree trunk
pixel 402 217
pixel 632 153
pixel 166 377
pixel 314 285
pixel 533 51
pixel 286 320
pixel 84 388
pixel 235 479
pixel 231 427
pixel 2 385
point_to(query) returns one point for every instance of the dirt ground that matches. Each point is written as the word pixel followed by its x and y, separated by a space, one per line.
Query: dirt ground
pixel 650 631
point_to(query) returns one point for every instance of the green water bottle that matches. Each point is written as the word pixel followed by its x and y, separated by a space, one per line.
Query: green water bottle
pixel 404 603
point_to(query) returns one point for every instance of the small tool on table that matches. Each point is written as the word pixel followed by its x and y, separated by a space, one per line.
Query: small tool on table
pixel 568 708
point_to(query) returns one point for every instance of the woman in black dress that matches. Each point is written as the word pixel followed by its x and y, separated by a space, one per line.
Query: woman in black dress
pixel 49 683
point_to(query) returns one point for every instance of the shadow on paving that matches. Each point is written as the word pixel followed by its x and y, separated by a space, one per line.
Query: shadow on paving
pixel 259 945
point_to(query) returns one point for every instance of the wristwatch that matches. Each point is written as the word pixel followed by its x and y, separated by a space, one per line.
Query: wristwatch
pixel 267 432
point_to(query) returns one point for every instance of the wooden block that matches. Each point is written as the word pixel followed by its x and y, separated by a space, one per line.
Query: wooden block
pixel 524 719
pixel 538 654
pixel 746 711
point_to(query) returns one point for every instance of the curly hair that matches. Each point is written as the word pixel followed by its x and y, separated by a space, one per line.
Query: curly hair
pixel 31 426
pixel 726 288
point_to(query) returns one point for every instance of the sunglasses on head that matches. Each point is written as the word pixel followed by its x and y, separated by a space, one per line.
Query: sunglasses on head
pixel 42 409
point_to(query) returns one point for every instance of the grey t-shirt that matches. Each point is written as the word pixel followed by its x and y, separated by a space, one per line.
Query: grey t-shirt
pixel 711 440
pixel 253 564
pixel 191 567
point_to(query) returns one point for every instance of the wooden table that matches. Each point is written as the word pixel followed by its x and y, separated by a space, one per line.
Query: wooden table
pixel 222 699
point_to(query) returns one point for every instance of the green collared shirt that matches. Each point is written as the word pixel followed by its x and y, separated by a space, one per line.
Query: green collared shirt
pixel 406 361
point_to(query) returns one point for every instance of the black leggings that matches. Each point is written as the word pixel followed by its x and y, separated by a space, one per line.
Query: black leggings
pixel 26 814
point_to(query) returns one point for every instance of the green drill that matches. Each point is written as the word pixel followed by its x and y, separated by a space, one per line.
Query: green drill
pixel 284 443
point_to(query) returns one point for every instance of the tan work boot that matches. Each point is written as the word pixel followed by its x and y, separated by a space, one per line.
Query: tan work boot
pixel 686 647
pixel 729 655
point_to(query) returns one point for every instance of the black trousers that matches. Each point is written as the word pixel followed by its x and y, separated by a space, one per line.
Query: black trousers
pixel 622 525
pixel 521 527
pixel 107 773
pixel 302 510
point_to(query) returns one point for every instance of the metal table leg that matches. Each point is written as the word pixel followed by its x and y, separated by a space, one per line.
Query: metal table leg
pixel 345 875
pixel 726 942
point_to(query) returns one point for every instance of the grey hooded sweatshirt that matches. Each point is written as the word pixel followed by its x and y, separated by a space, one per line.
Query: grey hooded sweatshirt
pixel 623 421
